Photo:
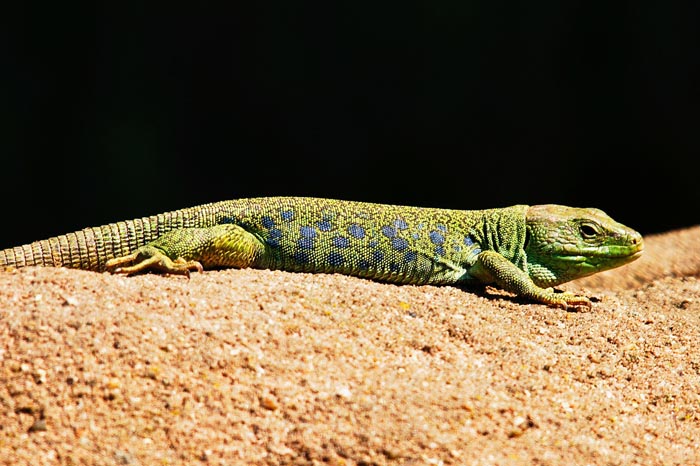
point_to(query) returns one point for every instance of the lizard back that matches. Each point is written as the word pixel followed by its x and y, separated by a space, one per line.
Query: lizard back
pixel 398 244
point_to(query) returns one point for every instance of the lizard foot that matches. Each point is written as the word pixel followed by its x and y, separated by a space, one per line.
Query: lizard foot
pixel 565 300
pixel 151 259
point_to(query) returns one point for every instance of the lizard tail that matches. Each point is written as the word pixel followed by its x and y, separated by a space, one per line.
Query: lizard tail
pixel 91 248
pixel 87 249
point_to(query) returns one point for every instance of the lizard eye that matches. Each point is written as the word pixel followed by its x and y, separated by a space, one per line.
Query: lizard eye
pixel 588 230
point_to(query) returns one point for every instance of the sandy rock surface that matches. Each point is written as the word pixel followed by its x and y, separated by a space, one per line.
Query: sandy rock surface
pixel 266 367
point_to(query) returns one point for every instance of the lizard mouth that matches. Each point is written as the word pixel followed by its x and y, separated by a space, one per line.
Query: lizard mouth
pixel 621 254
pixel 637 254
pixel 631 251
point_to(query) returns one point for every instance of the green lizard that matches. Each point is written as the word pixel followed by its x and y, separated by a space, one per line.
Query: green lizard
pixel 522 249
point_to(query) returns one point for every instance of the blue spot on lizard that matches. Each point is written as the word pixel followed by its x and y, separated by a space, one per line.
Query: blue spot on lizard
pixel 306 243
pixel 341 242
pixel 400 224
pixel 275 235
pixel 399 244
pixel 335 259
pixel 307 232
pixel 436 237
pixel 324 225
pixel 388 231
pixel 356 231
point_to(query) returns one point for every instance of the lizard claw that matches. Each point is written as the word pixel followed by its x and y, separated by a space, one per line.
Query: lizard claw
pixel 567 301
pixel 563 299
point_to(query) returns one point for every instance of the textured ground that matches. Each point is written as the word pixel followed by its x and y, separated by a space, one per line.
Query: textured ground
pixel 261 367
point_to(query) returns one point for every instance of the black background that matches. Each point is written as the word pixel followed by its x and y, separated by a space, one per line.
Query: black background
pixel 123 110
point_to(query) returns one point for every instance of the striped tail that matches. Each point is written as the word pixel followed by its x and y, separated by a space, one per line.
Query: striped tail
pixel 87 249
pixel 91 248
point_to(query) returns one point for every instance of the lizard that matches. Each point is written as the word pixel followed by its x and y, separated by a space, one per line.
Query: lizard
pixel 525 250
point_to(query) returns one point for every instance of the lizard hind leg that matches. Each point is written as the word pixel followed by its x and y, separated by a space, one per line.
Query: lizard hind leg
pixel 188 249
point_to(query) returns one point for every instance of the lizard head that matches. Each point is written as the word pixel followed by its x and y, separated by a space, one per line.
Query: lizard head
pixel 565 243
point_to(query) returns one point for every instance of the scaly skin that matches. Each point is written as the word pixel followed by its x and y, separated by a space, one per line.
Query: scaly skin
pixel 522 249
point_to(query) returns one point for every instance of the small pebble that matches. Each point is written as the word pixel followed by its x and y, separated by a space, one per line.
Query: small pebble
pixel 38 426
pixel 269 402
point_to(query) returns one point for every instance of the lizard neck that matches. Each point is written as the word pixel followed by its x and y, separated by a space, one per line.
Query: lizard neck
pixel 504 230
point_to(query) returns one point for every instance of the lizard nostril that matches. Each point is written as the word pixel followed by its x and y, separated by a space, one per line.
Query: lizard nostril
pixel 638 240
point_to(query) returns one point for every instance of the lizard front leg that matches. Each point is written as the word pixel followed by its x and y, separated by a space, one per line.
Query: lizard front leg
pixel 491 267
pixel 188 249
